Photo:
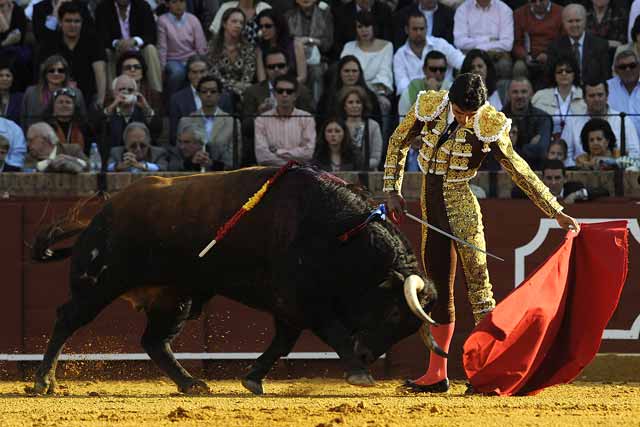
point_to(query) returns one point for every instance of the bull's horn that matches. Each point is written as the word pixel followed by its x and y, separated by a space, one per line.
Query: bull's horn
pixel 430 342
pixel 412 285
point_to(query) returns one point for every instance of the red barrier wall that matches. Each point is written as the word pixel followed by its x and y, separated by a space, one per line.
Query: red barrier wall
pixel 31 292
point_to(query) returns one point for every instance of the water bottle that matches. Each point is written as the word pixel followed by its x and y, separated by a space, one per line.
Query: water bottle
pixel 95 161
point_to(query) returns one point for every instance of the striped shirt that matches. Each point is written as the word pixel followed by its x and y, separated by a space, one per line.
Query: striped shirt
pixel 279 139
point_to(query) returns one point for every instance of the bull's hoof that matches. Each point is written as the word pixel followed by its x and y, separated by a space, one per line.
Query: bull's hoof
pixel 43 384
pixel 253 386
pixel 360 379
pixel 195 387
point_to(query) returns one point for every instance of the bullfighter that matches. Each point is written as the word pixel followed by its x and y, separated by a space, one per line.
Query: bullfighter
pixel 454 132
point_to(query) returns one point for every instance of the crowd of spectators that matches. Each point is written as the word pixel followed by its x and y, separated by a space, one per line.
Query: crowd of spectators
pixel 202 85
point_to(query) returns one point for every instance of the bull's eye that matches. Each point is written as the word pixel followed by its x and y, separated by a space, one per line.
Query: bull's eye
pixel 393 314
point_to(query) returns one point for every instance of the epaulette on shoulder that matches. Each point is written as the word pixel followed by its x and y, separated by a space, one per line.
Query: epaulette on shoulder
pixel 490 123
pixel 429 104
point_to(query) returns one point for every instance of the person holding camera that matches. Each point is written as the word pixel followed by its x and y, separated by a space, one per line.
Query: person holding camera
pixel 137 155
pixel 128 106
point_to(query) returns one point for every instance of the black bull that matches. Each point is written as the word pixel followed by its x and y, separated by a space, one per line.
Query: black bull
pixel 283 257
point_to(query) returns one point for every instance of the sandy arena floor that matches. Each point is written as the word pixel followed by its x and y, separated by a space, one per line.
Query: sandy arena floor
pixel 313 403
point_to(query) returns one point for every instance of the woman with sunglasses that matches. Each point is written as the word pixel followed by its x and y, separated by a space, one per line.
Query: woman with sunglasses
pixel 64 116
pixel 564 98
pixel 274 33
pixel 10 99
pixel 132 64
pixel 54 75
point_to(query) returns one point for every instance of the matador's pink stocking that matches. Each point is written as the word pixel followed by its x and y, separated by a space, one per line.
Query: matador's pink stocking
pixel 437 370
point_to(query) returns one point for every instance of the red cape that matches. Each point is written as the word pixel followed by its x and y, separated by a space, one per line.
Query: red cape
pixel 549 328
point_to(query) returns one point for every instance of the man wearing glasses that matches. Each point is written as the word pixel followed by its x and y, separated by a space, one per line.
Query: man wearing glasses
pixel 624 89
pixel 137 155
pixel 284 133
pixel 434 69
pixel 261 97
pixel 218 129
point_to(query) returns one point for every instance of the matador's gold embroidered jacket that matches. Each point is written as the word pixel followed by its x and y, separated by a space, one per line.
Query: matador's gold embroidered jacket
pixel 459 158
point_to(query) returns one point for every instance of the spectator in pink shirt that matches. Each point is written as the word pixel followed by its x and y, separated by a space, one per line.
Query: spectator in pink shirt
pixel 284 133
pixel 180 36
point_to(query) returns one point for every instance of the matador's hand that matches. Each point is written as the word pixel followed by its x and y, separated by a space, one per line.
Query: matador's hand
pixel 567 222
pixel 396 206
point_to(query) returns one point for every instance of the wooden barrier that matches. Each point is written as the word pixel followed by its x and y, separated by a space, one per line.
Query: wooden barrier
pixel 228 330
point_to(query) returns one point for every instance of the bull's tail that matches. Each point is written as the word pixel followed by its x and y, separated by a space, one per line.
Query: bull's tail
pixel 69 225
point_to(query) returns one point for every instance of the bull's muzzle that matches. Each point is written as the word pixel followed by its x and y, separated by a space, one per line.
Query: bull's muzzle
pixel 412 286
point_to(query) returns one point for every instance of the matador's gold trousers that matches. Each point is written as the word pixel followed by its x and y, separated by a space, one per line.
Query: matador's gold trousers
pixel 452 207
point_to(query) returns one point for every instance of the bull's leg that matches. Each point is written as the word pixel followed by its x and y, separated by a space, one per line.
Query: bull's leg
pixel 355 359
pixel 70 317
pixel 282 343
pixel 165 320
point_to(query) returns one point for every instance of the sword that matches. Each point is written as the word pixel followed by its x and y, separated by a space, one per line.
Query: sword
pixel 451 236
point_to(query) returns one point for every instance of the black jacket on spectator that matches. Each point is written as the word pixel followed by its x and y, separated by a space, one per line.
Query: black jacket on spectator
pixel 442 23
pixel 344 24
pixel 595 57
pixel 45 8
pixel 533 122
pixel 141 23
pixel 114 125
pixel 80 59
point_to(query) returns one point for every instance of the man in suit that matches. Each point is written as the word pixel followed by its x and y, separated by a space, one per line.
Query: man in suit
pixel 260 97
pixel 137 155
pixel 124 25
pixel 591 52
pixel 222 132
pixel 344 19
pixel 439 21
pixel 186 101
pixel 46 154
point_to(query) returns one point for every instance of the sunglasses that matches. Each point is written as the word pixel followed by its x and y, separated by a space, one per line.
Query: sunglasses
pixel 126 90
pixel 208 91
pixel 60 70
pixel 630 66
pixel 279 66
pixel 437 69
pixel 72 21
pixel 64 91
pixel 266 26
pixel 132 67
pixel 564 71
pixel 136 145
pixel 281 91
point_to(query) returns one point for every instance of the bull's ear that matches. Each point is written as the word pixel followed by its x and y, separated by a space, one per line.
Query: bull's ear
pixel 387 284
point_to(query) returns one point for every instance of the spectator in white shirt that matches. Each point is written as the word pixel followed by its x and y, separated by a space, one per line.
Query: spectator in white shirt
pixel 486 25
pixel 595 95
pixel 376 58
pixel 633 14
pixel 409 59
pixel 624 89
